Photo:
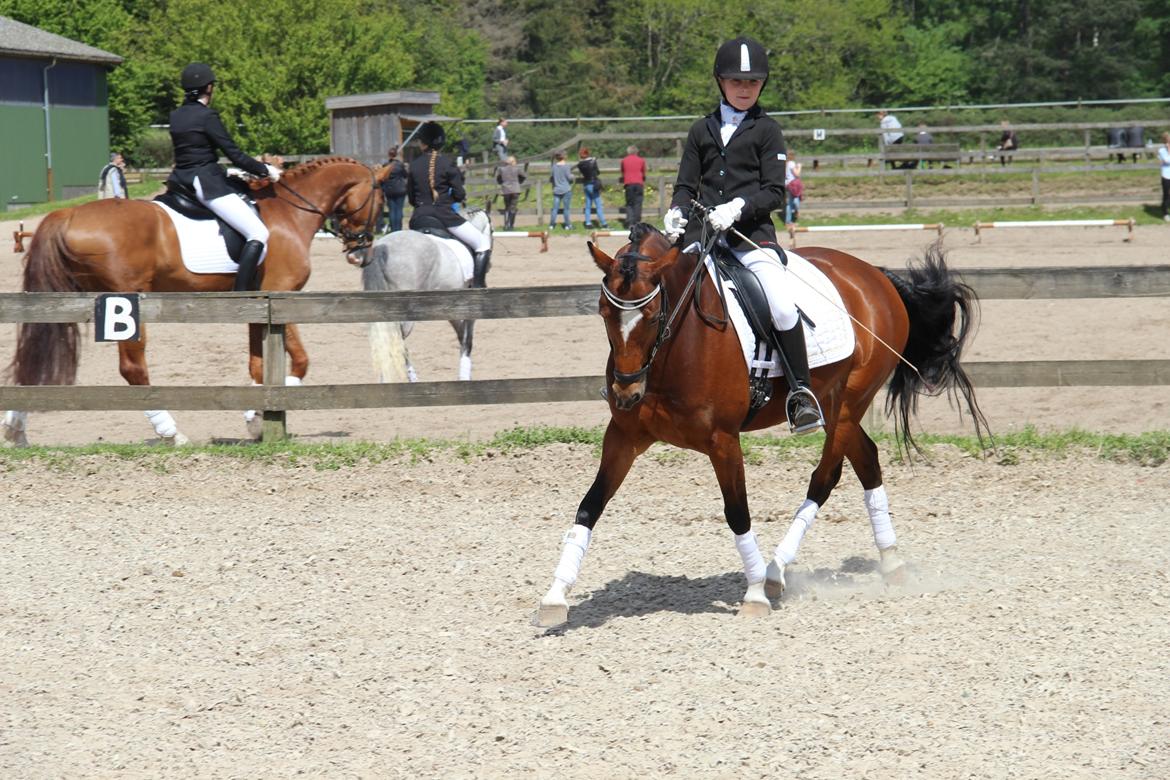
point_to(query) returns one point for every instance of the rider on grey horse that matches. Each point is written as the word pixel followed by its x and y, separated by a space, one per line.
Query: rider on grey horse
pixel 435 185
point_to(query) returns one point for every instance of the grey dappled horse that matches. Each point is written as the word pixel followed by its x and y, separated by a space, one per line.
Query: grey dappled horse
pixel 410 260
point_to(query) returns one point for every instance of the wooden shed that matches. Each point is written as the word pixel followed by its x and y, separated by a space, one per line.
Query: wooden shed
pixel 365 126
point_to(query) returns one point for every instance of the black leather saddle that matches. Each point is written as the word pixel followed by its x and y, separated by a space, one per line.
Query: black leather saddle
pixel 184 201
pixel 750 293
pixel 428 223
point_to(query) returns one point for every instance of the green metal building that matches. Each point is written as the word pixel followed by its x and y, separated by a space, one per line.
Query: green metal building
pixel 54 115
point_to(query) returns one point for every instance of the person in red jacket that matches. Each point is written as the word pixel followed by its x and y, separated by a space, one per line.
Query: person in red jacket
pixel 634 177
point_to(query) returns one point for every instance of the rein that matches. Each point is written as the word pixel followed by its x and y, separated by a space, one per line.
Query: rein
pixel 352 240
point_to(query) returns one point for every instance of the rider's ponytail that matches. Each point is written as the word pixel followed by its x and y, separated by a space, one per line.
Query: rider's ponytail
pixel 434 159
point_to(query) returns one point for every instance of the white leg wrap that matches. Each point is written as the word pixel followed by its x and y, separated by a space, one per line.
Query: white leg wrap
pixel 250 415
pixel 411 374
pixel 878 506
pixel 576 543
pixel 164 424
pixel 293 381
pixel 464 367
pixel 749 552
pixel 786 550
pixel 17 421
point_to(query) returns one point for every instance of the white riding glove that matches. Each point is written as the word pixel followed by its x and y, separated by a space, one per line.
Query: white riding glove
pixel 673 224
pixel 273 172
pixel 724 216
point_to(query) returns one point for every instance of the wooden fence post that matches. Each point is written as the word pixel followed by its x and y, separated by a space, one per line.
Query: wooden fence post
pixel 539 202
pixel 909 189
pixel 1035 185
pixel 275 420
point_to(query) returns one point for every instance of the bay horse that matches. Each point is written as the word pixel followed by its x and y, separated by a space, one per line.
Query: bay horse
pixel 412 260
pixel 676 374
pixel 118 245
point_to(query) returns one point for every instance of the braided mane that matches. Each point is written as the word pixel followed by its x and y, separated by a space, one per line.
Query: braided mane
pixel 320 162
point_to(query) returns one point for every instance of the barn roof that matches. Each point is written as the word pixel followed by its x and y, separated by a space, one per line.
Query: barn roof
pixel 18 39
pixel 401 97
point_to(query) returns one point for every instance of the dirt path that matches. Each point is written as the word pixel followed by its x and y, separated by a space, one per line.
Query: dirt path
pixel 217 620
pixel 216 354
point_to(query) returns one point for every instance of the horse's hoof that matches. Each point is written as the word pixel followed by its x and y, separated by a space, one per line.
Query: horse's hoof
pixel 892 567
pixel 550 615
pixel 256 427
pixel 774 584
pixel 755 609
pixel 178 440
pixel 15 435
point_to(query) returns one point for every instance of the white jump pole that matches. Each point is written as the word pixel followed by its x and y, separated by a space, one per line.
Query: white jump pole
pixel 541 234
pixel 1127 223
pixel 794 229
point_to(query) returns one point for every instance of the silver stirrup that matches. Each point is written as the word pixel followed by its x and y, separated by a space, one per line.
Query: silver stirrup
pixel 820 422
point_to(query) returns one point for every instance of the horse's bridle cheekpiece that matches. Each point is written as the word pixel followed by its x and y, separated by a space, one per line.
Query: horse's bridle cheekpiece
pixel 353 241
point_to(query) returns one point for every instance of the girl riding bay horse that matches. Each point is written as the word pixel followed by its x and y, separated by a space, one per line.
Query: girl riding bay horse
pixel 133 246
pixel 676 374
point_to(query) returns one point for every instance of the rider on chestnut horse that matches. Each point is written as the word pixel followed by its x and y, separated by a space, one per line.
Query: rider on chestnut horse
pixel 197 134
pixel 734 157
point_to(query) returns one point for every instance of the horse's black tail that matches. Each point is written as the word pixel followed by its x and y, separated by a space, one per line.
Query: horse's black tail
pixel 46 352
pixel 942 311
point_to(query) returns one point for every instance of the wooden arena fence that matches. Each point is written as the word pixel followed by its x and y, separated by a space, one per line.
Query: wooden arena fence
pixel 275 310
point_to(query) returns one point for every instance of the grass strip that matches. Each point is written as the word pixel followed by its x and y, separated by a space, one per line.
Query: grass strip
pixel 1147 449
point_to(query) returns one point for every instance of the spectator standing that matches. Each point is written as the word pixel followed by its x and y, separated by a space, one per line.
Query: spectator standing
pixel 634 179
pixel 464 156
pixel 562 181
pixel 1164 156
pixel 510 176
pixel 500 139
pixel 1008 142
pixel 112 180
pixel 893 130
pixel 795 188
pixel 591 183
pixel 394 189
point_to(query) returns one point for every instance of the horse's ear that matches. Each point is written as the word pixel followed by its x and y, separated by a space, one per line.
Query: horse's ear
pixel 657 267
pixel 381 172
pixel 604 261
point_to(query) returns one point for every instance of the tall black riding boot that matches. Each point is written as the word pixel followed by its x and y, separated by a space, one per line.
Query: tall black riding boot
pixel 249 262
pixel 482 264
pixel 804 413
pixel 509 220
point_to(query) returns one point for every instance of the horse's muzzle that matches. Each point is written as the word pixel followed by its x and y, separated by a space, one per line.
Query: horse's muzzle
pixel 626 397
pixel 360 257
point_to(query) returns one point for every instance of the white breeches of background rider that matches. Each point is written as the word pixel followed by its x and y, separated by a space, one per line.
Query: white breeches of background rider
pixel 766 265
pixel 233 210
pixel 471 235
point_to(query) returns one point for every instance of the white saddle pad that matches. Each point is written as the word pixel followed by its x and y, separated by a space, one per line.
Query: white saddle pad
pixel 460 250
pixel 830 341
pixel 202 247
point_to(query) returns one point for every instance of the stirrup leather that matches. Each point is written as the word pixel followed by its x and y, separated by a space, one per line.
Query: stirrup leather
pixel 790 404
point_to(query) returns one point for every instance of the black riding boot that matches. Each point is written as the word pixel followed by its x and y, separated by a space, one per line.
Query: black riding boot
pixel 804 413
pixel 249 262
pixel 482 264
pixel 509 220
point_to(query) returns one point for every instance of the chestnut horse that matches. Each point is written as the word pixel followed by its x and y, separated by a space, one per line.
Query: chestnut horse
pixel 676 374
pixel 131 246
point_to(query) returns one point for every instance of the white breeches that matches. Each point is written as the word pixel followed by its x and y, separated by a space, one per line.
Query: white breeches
pixel 765 264
pixel 232 210
pixel 470 235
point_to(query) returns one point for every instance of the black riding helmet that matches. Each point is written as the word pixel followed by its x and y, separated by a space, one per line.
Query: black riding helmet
pixel 196 76
pixel 741 58
pixel 432 135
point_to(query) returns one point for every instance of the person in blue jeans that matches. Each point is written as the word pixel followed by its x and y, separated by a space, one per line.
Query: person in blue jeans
pixel 562 181
pixel 591 183
pixel 394 189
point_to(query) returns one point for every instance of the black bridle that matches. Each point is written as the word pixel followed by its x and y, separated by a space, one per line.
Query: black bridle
pixel 665 322
pixel 352 240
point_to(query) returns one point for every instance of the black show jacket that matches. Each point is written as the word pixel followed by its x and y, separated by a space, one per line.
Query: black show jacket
pixel 197 133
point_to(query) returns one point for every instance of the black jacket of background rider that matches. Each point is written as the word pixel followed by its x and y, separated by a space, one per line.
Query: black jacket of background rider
pixel 436 184
pixel 750 166
pixel 197 133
